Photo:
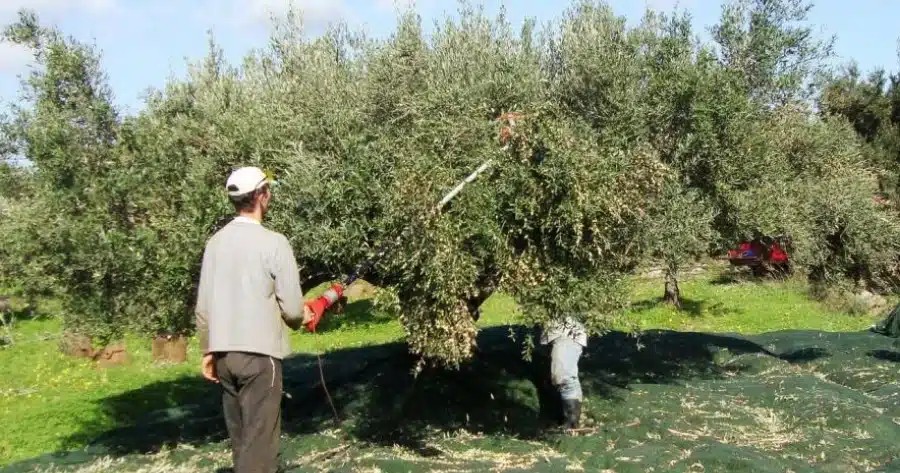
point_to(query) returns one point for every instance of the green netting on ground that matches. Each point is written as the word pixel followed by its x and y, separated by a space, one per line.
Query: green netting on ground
pixel 664 401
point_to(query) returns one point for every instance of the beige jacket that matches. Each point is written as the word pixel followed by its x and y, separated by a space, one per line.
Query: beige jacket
pixel 249 291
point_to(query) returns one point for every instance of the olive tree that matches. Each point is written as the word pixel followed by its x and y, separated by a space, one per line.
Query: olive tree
pixel 680 228
pixel 770 49
pixel 608 145
pixel 74 234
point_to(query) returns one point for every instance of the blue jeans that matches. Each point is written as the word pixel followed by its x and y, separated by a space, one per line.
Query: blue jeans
pixel 564 367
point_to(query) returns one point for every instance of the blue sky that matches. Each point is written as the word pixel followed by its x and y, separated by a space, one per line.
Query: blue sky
pixel 145 42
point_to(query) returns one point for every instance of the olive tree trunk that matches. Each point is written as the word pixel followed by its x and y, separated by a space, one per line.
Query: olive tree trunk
pixel 672 293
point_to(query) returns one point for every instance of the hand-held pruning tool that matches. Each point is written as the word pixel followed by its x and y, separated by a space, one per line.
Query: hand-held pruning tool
pixel 319 305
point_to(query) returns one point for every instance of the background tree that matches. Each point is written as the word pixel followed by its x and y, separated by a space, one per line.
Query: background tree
pixel 769 49
pixel 679 229
pixel 73 234
pixel 869 104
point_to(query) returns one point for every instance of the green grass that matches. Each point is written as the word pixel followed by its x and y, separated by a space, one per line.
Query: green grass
pixel 748 307
pixel 47 398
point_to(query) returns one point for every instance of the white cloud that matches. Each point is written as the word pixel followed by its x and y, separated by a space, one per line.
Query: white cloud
pixel 315 13
pixel 396 4
pixel 14 58
pixel 668 5
pixel 55 7
pixel 418 5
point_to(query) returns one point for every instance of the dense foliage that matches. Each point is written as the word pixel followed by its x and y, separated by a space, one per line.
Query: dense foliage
pixel 872 105
pixel 76 232
pixel 610 145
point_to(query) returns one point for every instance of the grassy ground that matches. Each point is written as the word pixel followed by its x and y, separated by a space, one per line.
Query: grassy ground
pixel 49 402
pixel 716 303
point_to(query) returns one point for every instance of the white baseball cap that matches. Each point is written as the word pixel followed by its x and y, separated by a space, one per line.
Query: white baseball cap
pixel 245 180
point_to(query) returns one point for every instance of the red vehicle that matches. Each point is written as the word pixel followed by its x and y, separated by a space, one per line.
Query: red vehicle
pixel 761 254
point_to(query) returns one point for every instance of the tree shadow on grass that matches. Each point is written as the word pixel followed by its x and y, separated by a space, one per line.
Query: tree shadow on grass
pixel 24 309
pixel 10 319
pixel 734 276
pixel 379 401
pixel 692 307
pixel 743 275
pixel 353 314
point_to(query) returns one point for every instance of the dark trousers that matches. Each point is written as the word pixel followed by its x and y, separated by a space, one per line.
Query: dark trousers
pixel 251 400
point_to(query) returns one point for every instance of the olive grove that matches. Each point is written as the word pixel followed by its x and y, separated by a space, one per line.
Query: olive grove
pixel 611 145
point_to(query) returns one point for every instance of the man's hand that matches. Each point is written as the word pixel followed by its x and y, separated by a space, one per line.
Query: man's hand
pixel 310 318
pixel 208 368
pixel 308 313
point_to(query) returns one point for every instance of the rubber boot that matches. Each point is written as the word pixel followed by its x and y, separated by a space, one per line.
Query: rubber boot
pixel 571 413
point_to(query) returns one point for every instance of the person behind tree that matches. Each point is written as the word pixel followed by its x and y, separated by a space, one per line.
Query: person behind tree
pixel 567 339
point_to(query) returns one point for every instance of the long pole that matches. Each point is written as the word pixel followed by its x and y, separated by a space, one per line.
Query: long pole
pixel 456 190
pixel 440 206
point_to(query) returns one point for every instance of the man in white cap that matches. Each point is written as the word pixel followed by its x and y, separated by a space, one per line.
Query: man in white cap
pixel 249 290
